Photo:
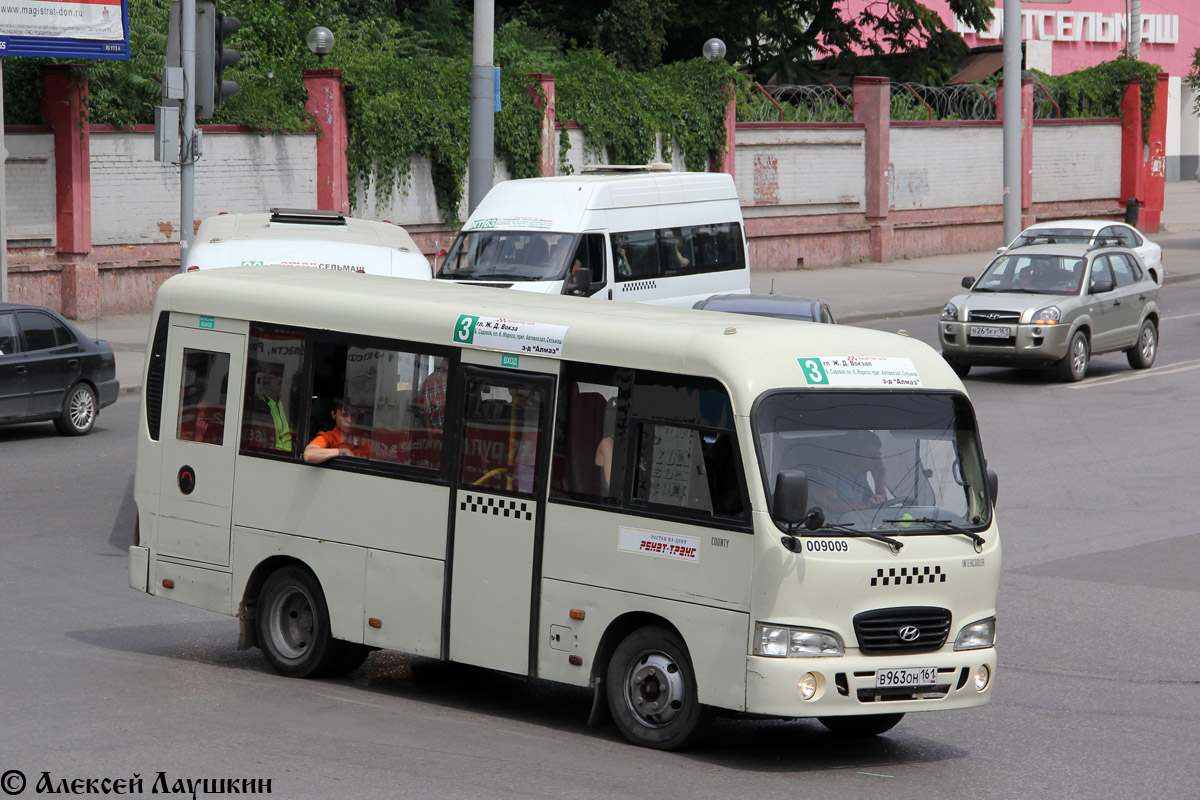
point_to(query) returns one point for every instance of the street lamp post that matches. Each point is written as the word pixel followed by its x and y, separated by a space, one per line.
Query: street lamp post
pixel 320 41
pixel 713 50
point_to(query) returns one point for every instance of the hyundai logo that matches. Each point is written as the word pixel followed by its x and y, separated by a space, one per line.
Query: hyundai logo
pixel 993 316
pixel 909 633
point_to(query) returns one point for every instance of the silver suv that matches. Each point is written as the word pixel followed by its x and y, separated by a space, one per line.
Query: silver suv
pixel 1054 305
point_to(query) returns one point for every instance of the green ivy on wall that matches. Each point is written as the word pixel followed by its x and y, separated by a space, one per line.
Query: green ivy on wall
pixel 1097 91
pixel 620 113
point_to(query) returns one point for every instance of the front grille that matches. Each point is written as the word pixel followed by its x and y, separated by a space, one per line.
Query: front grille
pixel 995 317
pixel 878 631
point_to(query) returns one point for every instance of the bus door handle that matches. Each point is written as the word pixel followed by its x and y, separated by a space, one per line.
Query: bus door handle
pixel 22 369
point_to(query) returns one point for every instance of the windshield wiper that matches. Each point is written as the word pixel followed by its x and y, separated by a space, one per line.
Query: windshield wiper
pixel 848 529
pixel 946 525
pixel 982 289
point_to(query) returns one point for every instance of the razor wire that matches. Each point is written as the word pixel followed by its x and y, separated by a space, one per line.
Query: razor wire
pixel 909 101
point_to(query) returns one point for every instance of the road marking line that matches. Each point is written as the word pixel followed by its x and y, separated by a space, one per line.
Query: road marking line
pixel 1183 366
pixel 1180 316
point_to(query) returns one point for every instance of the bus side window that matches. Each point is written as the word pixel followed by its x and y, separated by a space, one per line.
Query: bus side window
pixel 588 460
pixel 670 468
pixel 202 396
pixel 270 421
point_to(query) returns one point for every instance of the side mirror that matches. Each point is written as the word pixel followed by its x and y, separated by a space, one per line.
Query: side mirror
pixel 1101 285
pixel 968 282
pixel 789 504
pixel 1000 250
pixel 993 484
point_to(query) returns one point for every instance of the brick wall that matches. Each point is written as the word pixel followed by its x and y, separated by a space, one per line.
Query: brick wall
pixel 783 169
pixel 1074 161
pixel 945 167
pixel 135 199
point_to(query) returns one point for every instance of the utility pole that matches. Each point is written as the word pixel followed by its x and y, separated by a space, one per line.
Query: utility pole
pixel 483 92
pixel 187 130
pixel 3 200
pixel 1012 119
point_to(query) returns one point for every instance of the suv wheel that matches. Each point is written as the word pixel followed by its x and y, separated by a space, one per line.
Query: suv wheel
pixel 1141 355
pixel 1074 364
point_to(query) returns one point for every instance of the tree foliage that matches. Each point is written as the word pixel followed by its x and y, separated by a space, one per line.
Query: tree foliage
pixel 771 38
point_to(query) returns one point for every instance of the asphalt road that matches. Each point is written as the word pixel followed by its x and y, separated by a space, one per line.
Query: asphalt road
pixel 1097 694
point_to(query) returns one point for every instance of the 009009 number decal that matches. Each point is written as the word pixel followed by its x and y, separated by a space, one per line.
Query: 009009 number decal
pixel 826 546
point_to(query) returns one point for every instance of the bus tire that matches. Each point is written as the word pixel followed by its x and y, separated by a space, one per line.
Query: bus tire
pixel 652 690
pixel 293 625
pixel 866 725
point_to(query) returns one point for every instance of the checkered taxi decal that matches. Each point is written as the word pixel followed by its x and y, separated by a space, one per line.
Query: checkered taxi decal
pixel 907 576
pixel 638 286
pixel 496 507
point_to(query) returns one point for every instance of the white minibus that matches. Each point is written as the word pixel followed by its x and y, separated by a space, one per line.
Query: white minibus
pixel 307 238
pixel 686 511
pixel 642 234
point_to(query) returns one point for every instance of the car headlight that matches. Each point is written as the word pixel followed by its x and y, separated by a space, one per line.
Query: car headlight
pixel 778 641
pixel 1050 315
pixel 950 312
pixel 977 635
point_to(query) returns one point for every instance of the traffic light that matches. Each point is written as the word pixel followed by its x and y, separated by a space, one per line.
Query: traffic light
pixel 212 57
pixel 225 57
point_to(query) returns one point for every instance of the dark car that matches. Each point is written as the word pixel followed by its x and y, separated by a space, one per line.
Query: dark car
pixel 770 305
pixel 50 370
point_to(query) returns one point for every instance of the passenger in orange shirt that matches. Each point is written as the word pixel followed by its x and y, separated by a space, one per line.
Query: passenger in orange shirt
pixel 341 441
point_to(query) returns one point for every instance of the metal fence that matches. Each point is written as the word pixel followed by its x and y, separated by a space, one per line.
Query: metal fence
pixel 909 101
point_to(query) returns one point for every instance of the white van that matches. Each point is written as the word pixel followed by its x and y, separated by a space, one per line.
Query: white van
pixel 637 234
pixel 305 238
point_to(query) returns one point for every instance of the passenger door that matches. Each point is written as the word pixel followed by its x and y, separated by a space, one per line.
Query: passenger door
pixel 1129 301
pixel 14 373
pixel 1104 321
pixel 53 359
pixel 202 400
pixel 498 516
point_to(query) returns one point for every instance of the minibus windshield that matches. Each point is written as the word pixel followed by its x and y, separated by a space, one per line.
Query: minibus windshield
pixel 489 255
pixel 895 462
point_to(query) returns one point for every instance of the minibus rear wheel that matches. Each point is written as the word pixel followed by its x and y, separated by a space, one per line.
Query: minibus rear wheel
pixel 293 626
pixel 652 690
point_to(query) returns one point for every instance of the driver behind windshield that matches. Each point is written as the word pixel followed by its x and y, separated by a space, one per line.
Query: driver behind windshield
pixel 854 475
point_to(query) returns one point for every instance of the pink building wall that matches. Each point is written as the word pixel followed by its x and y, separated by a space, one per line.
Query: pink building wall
pixel 1084 33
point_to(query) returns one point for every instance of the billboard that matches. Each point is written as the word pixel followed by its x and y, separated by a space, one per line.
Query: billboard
pixel 65 28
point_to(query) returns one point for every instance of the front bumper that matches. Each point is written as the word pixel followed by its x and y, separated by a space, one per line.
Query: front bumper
pixel 846 685
pixel 1032 345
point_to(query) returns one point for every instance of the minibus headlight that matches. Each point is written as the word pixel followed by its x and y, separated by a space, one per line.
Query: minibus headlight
pixel 778 641
pixel 977 635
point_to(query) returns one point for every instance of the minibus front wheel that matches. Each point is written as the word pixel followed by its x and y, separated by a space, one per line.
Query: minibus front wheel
pixel 652 690
pixel 293 628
